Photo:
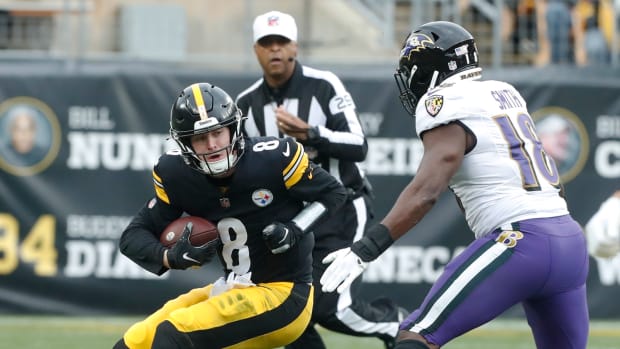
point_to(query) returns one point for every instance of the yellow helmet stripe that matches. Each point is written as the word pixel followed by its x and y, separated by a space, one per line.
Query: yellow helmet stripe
pixel 200 103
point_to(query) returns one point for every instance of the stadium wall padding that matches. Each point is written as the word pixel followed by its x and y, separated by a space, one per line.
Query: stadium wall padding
pixel 61 212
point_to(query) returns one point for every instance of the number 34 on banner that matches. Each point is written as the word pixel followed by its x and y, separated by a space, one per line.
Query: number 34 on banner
pixel 37 248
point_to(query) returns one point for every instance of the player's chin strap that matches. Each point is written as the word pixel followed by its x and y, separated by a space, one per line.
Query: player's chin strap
pixel 309 215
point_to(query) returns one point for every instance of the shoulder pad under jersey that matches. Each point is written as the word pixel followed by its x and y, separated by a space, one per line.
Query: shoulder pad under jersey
pixel 443 105
pixel 167 164
pixel 290 154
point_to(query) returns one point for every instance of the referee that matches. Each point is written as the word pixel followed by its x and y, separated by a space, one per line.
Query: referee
pixel 314 107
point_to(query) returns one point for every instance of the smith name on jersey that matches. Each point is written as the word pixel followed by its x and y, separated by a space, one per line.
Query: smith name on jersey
pixel 507 156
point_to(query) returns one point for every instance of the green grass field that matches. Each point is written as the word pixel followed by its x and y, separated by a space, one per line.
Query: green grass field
pixel 53 332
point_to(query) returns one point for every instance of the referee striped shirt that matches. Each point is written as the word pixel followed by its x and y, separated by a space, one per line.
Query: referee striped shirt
pixel 320 99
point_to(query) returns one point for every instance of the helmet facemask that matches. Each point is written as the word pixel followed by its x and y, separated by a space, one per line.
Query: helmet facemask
pixel 431 54
pixel 200 162
pixel 412 85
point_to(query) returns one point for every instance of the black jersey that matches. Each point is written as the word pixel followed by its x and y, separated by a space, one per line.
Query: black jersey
pixel 271 182
pixel 320 99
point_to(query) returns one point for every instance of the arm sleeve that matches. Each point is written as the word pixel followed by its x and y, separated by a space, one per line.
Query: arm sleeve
pixel 342 137
pixel 309 182
pixel 322 187
pixel 140 244
pixel 140 240
pixel 339 144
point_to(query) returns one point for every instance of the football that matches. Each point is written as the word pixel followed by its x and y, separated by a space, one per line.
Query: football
pixel 203 231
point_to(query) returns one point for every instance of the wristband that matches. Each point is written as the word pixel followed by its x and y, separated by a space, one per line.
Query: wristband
pixel 372 245
pixel 313 133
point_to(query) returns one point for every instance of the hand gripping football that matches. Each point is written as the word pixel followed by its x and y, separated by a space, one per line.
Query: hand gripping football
pixel 203 231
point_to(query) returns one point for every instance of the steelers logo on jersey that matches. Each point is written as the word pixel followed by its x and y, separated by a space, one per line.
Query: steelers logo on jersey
pixel 433 105
pixel 262 197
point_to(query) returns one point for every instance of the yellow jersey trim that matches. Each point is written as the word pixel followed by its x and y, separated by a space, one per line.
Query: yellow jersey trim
pixel 296 168
pixel 159 188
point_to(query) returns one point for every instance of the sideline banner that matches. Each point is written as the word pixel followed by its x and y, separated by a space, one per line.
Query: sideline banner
pixel 76 154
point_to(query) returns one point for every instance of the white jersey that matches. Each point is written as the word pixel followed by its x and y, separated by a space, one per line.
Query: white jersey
pixel 506 177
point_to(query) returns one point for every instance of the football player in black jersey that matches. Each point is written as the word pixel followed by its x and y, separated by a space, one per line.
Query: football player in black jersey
pixel 265 197
pixel 314 107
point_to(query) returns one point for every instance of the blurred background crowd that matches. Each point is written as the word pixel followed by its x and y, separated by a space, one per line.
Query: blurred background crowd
pixel 350 34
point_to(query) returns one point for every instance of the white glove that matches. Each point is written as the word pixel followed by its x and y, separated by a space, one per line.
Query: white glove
pixel 345 267
pixel 603 230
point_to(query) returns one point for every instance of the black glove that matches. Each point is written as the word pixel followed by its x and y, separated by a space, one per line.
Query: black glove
pixel 376 240
pixel 279 237
pixel 184 255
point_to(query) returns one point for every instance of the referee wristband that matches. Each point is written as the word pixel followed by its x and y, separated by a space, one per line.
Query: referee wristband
pixel 372 245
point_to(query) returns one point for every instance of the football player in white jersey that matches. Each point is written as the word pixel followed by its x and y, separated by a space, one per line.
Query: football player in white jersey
pixel 480 142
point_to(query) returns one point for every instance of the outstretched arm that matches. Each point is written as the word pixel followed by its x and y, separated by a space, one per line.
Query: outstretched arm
pixel 444 149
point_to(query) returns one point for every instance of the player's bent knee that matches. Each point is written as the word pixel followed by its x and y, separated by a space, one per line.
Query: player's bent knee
pixel 168 337
pixel 410 344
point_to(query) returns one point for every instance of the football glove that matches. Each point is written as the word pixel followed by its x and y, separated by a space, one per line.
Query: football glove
pixel 345 267
pixel 349 263
pixel 184 255
pixel 280 237
pixel 603 230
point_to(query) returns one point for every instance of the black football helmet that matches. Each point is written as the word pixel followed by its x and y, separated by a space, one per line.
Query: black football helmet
pixel 202 108
pixel 431 54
